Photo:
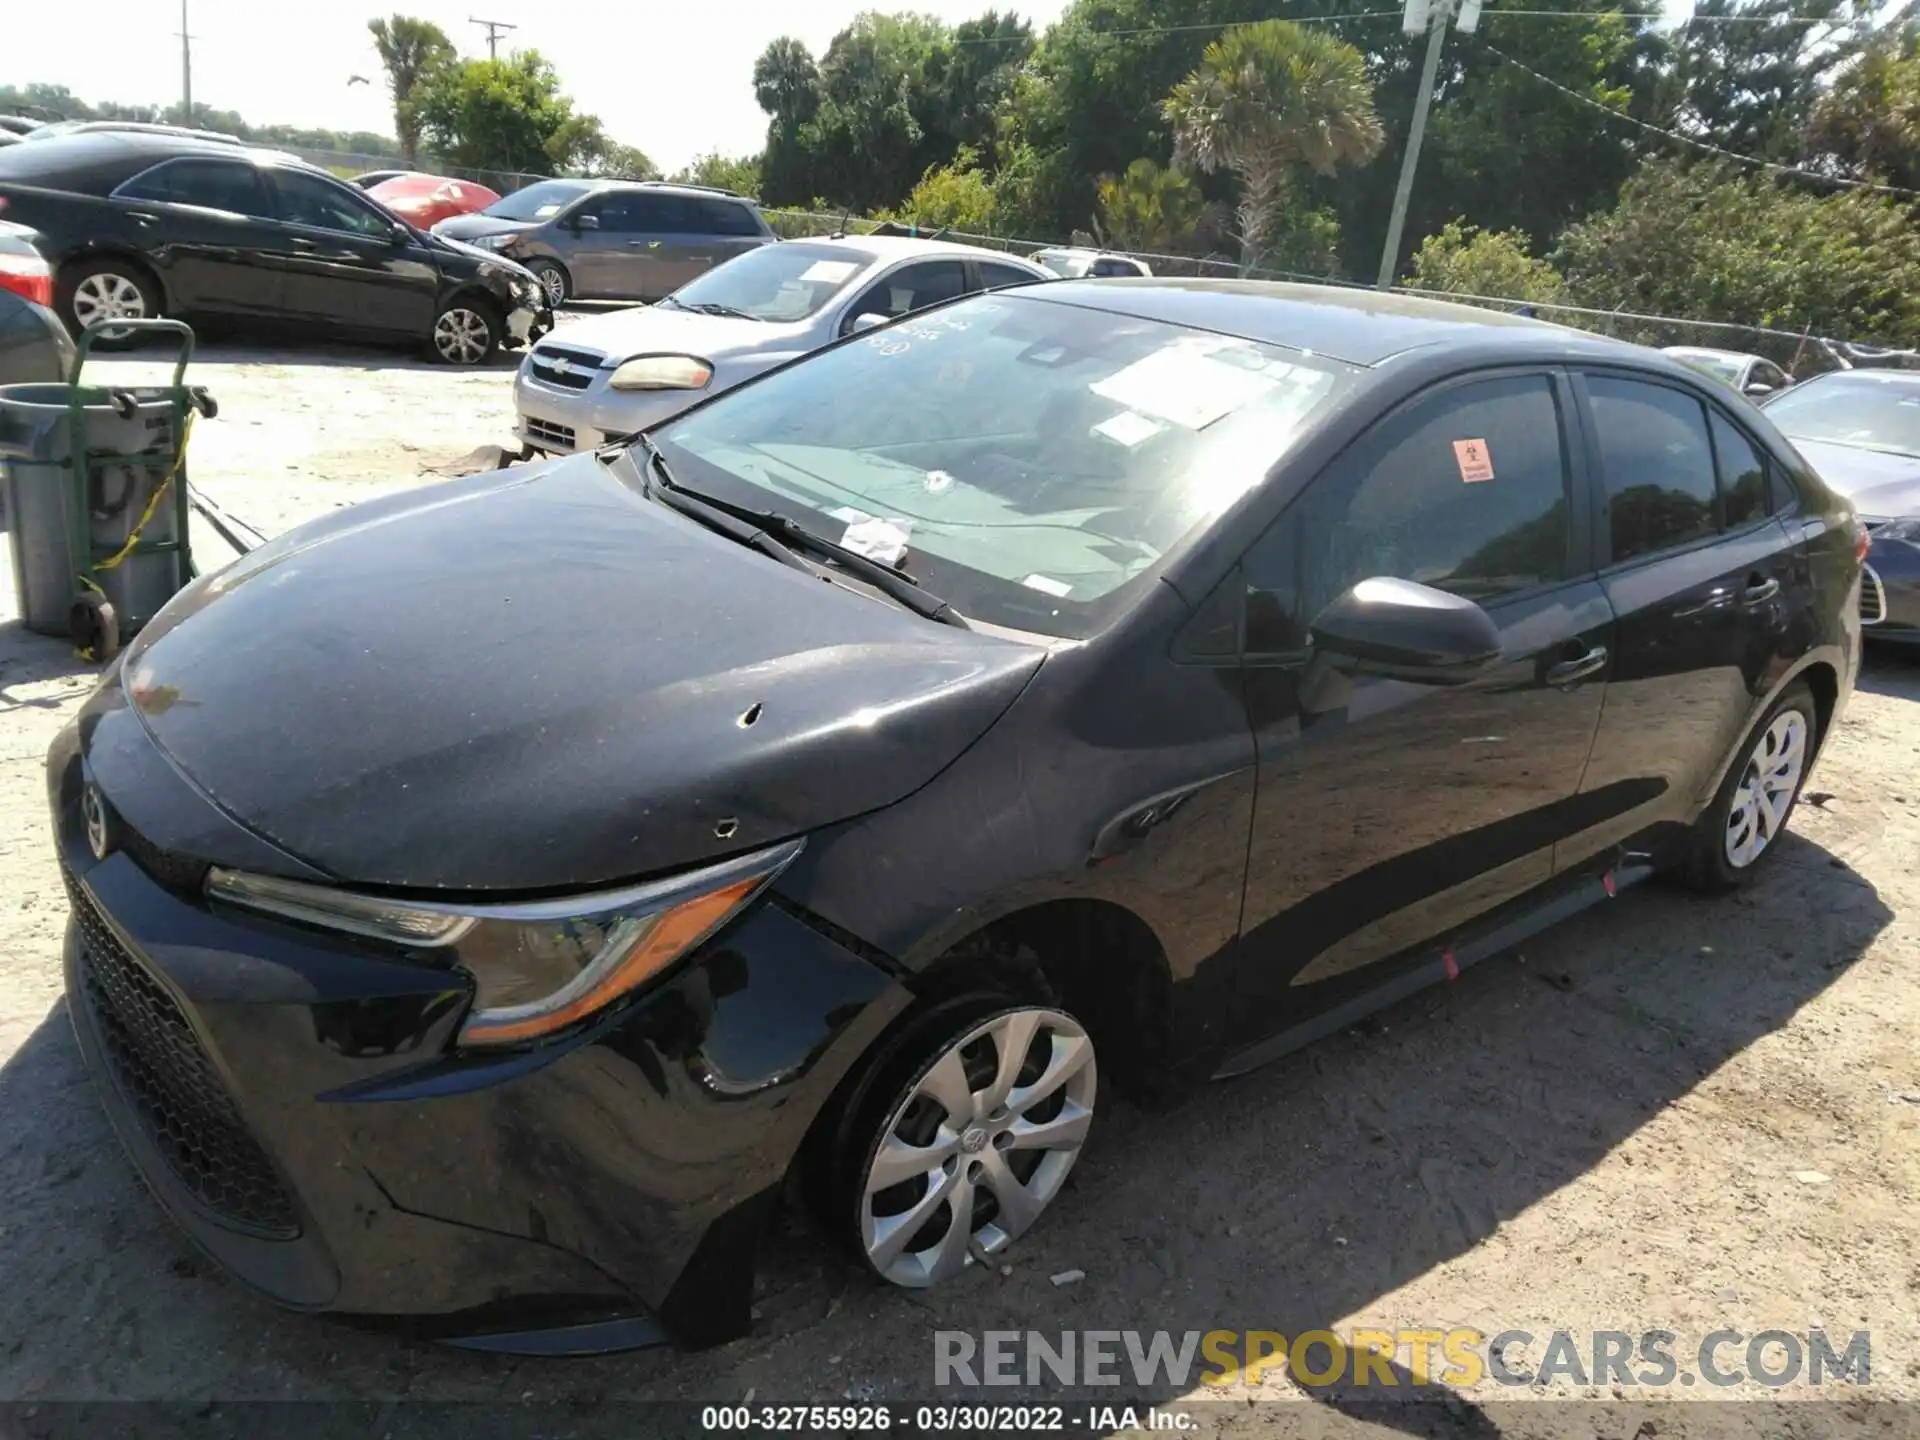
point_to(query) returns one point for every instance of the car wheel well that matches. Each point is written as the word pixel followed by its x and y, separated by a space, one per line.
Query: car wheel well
pixel 1825 685
pixel 1095 959
pixel 477 296
pixel 111 255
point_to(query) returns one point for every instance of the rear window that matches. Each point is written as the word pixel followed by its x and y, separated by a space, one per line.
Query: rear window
pixel 728 217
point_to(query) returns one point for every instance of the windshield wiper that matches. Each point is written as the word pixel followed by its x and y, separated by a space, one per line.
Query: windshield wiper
pixel 714 307
pixel 749 525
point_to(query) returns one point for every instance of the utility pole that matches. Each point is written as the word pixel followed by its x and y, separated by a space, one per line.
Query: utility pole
pixel 493 29
pixel 186 68
pixel 1431 16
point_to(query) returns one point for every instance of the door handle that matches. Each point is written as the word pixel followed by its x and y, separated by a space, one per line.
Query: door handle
pixel 300 242
pixel 1570 672
pixel 1760 592
pixel 144 217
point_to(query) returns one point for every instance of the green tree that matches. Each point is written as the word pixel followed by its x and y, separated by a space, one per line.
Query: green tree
pixel 1745 73
pixel 1868 124
pixel 958 196
pixel 1149 207
pixel 1711 243
pixel 1463 260
pixel 412 51
pixel 1266 101
pixel 739 173
pixel 506 115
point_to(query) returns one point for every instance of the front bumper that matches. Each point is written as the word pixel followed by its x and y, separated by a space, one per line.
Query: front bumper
pixel 1890 592
pixel 295 1103
pixel 559 419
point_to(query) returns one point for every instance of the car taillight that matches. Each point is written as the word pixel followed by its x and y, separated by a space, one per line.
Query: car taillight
pixel 27 275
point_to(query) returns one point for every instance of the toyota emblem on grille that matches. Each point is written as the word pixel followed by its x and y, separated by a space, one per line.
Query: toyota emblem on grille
pixel 93 809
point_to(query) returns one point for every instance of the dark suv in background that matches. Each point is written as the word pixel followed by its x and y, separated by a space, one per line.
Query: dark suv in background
pixel 614 239
pixel 139 224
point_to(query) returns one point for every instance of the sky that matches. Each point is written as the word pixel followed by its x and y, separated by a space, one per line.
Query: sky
pixel 673 78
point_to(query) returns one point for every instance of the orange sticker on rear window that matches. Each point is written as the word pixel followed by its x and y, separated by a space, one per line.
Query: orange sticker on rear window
pixel 1474 461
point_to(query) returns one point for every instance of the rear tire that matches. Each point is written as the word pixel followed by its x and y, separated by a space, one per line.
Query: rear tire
pixel 959 1137
pixel 1741 829
pixel 466 332
pixel 106 290
pixel 553 280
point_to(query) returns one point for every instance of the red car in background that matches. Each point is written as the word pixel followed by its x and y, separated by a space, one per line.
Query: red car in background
pixel 423 200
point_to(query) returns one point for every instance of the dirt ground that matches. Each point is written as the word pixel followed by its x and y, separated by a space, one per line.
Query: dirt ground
pixel 1670 1113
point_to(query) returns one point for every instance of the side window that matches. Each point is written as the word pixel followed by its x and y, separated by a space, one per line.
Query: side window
pixel 214 184
pixel 1464 489
pixel 623 214
pixel 1768 373
pixel 996 277
pixel 913 287
pixel 1657 465
pixel 675 215
pixel 308 200
pixel 726 217
pixel 1743 475
pixel 1106 268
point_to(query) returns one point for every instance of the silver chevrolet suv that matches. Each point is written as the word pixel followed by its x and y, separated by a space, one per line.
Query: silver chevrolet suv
pixel 614 239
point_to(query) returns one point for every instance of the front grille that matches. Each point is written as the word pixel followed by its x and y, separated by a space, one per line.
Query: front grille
pixel 545 432
pixel 167 1080
pixel 567 369
pixel 1873 597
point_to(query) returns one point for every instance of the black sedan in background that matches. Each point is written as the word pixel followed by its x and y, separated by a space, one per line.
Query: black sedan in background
pixel 143 224
pixel 34 346
pixel 1170 672
pixel 1860 429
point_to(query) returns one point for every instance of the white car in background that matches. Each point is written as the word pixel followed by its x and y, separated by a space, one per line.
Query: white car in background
pixel 616 374
pixel 1079 264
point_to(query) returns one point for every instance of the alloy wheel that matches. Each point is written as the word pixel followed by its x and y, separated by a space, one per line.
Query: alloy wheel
pixel 462 336
pixel 979 1147
pixel 555 285
pixel 106 295
pixel 1767 788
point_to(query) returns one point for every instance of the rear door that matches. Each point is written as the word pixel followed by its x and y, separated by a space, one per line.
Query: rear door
pixel 347 266
pixel 1390 815
pixel 209 227
pixel 1702 580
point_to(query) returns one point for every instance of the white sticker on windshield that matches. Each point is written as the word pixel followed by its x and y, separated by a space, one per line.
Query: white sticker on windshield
pixel 1129 429
pixel 1184 385
pixel 877 539
pixel 1047 585
pixel 829 272
pixel 545 210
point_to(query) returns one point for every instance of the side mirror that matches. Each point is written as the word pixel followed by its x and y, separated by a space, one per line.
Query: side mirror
pixel 866 320
pixel 1758 387
pixel 401 234
pixel 585 222
pixel 1406 631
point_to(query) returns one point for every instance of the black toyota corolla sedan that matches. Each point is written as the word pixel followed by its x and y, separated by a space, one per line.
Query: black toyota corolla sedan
pixel 486 899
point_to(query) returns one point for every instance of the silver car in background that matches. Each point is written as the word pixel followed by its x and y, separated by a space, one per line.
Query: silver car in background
pixel 616 374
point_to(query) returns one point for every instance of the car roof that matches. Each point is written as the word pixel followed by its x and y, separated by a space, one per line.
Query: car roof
pixel 106 154
pixel 1872 374
pixel 899 247
pixel 666 187
pixel 1361 327
pixel 1707 352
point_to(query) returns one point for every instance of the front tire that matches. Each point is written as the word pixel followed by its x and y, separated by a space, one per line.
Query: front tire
pixel 103 290
pixel 553 280
pixel 976 1114
pixel 465 332
pixel 1741 829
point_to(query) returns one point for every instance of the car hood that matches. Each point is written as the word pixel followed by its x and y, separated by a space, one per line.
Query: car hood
pixel 544 681
pixel 1876 483
pixel 653 329
pixel 465 227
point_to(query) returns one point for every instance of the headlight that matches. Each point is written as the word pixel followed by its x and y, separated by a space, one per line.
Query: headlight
pixel 494 242
pixel 1907 528
pixel 662 372
pixel 539 967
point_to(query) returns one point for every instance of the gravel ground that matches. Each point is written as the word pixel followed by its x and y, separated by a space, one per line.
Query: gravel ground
pixel 1668 1114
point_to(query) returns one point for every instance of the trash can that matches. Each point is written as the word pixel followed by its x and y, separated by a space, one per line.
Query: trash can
pixel 95 489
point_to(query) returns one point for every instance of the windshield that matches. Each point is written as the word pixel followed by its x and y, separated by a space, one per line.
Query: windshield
pixel 1036 460
pixel 539 201
pixel 1873 411
pixel 776 282
pixel 1720 367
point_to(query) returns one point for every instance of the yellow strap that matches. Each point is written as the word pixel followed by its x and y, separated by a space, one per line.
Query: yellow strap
pixel 133 537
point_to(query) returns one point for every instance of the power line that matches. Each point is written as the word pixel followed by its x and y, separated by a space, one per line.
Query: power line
pixel 1698 144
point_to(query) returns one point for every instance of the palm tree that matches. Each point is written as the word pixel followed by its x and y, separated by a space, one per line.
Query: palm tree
pixel 411 50
pixel 1265 100
pixel 786 82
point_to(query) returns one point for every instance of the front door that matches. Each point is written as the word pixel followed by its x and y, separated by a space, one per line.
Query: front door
pixel 346 265
pixel 1703 580
pixel 1389 813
